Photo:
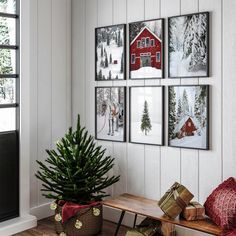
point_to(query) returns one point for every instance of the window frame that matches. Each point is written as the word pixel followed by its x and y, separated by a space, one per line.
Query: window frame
pixel 14 76
pixel 152 43
pixel 147 38
pixel 158 55
pixel 143 43
pixel 133 58
pixel 138 44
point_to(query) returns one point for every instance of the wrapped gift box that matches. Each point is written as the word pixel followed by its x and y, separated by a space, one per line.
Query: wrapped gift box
pixel 194 211
pixel 151 227
pixel 175 200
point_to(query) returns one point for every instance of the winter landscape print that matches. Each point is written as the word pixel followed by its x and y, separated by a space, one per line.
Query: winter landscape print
pixel 188 116
pixel 110 113
pixel 146 115
pixel 146 49
pixel 110 52
pixel 188 45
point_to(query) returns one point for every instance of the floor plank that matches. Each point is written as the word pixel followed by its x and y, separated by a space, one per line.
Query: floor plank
pixel 46 228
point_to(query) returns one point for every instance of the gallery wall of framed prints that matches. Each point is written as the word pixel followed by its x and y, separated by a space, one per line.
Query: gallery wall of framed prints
pixel 188 105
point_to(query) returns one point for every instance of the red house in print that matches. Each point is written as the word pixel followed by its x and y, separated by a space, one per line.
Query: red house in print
pixel 186 127
pixel 145 50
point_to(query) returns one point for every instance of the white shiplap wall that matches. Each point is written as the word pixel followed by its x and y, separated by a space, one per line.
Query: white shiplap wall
pixel 149 170
pixel 50 84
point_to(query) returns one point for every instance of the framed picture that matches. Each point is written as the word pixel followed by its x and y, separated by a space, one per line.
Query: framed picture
pixel 146 49
pixel 110 112
pixel 110 52
pixel 188 116
pixel 147 115
pixel 188 45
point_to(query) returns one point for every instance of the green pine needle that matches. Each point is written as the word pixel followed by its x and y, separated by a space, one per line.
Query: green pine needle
pixel 77 170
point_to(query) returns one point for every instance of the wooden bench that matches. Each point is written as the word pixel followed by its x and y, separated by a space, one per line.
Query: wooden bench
pixel 149 208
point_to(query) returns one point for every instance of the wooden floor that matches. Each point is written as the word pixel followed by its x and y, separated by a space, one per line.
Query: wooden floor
pixel 46 228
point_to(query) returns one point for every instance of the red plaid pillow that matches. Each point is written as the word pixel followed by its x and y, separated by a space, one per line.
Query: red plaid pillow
pixel 220 206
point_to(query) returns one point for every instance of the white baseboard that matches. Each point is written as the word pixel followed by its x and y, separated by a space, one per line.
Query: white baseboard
pixel 42 211
pixel 17 225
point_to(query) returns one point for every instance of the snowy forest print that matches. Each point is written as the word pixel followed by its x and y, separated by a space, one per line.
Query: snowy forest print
pixel 146 44
pixel 110 113
pixel 188 45
pixel 188 116
pixel 146 115
pixel 110 52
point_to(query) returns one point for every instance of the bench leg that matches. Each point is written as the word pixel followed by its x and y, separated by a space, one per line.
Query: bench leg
pixel 119 223
pixel 135 219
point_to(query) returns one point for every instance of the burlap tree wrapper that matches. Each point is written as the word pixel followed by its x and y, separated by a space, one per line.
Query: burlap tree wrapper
pixel 86 222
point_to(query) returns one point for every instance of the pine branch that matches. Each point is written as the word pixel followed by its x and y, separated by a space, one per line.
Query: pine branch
pixel 76 169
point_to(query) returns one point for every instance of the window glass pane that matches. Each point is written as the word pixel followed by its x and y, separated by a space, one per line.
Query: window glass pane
pixel 7 119
pixel 7 31
pixel 7 91
pixel 7 61
pixel 8 6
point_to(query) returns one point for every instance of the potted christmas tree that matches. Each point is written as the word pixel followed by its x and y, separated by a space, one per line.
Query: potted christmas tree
pixel 75 179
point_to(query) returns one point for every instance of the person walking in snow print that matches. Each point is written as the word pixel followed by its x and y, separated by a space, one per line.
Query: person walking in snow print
pixel 113 119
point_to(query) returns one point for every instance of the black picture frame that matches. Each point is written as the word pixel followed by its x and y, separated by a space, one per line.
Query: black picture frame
pixel 119 37
pixel 201 67
pixel 138 136
pixel 142 25
pixel 179 126
pixel 105 120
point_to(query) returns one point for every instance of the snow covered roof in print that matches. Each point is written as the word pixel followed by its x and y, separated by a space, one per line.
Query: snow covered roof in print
pixel 182 122
pixel 142 31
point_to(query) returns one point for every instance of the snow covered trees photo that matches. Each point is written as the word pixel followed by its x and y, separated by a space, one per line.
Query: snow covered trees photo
pixel 188 116
pixel 110 113
pixel 146 49
pixel 146 115
pixel 110 52
pixel 188 45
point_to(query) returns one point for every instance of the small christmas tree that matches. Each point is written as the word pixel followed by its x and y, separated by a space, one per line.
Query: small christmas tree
pixel 146 122
pixel 77 169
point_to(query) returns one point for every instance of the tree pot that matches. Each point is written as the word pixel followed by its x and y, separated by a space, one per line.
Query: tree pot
pixel 87 222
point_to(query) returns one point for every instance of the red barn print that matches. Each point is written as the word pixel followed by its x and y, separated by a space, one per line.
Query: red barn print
pixel 146 49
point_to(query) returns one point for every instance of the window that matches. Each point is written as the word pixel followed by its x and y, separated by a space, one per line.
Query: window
pixel 9 108
pixel 158 57
pixel 138 44
pixel 152 42
pixel 143 42
pixel 8 65
pixel 147 42
pixel 133 59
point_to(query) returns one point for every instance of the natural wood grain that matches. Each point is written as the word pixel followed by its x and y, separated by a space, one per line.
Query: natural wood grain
pixel 147 207
pixel 46 228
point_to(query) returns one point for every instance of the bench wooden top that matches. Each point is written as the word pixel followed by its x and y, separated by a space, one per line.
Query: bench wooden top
pixel 147 207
